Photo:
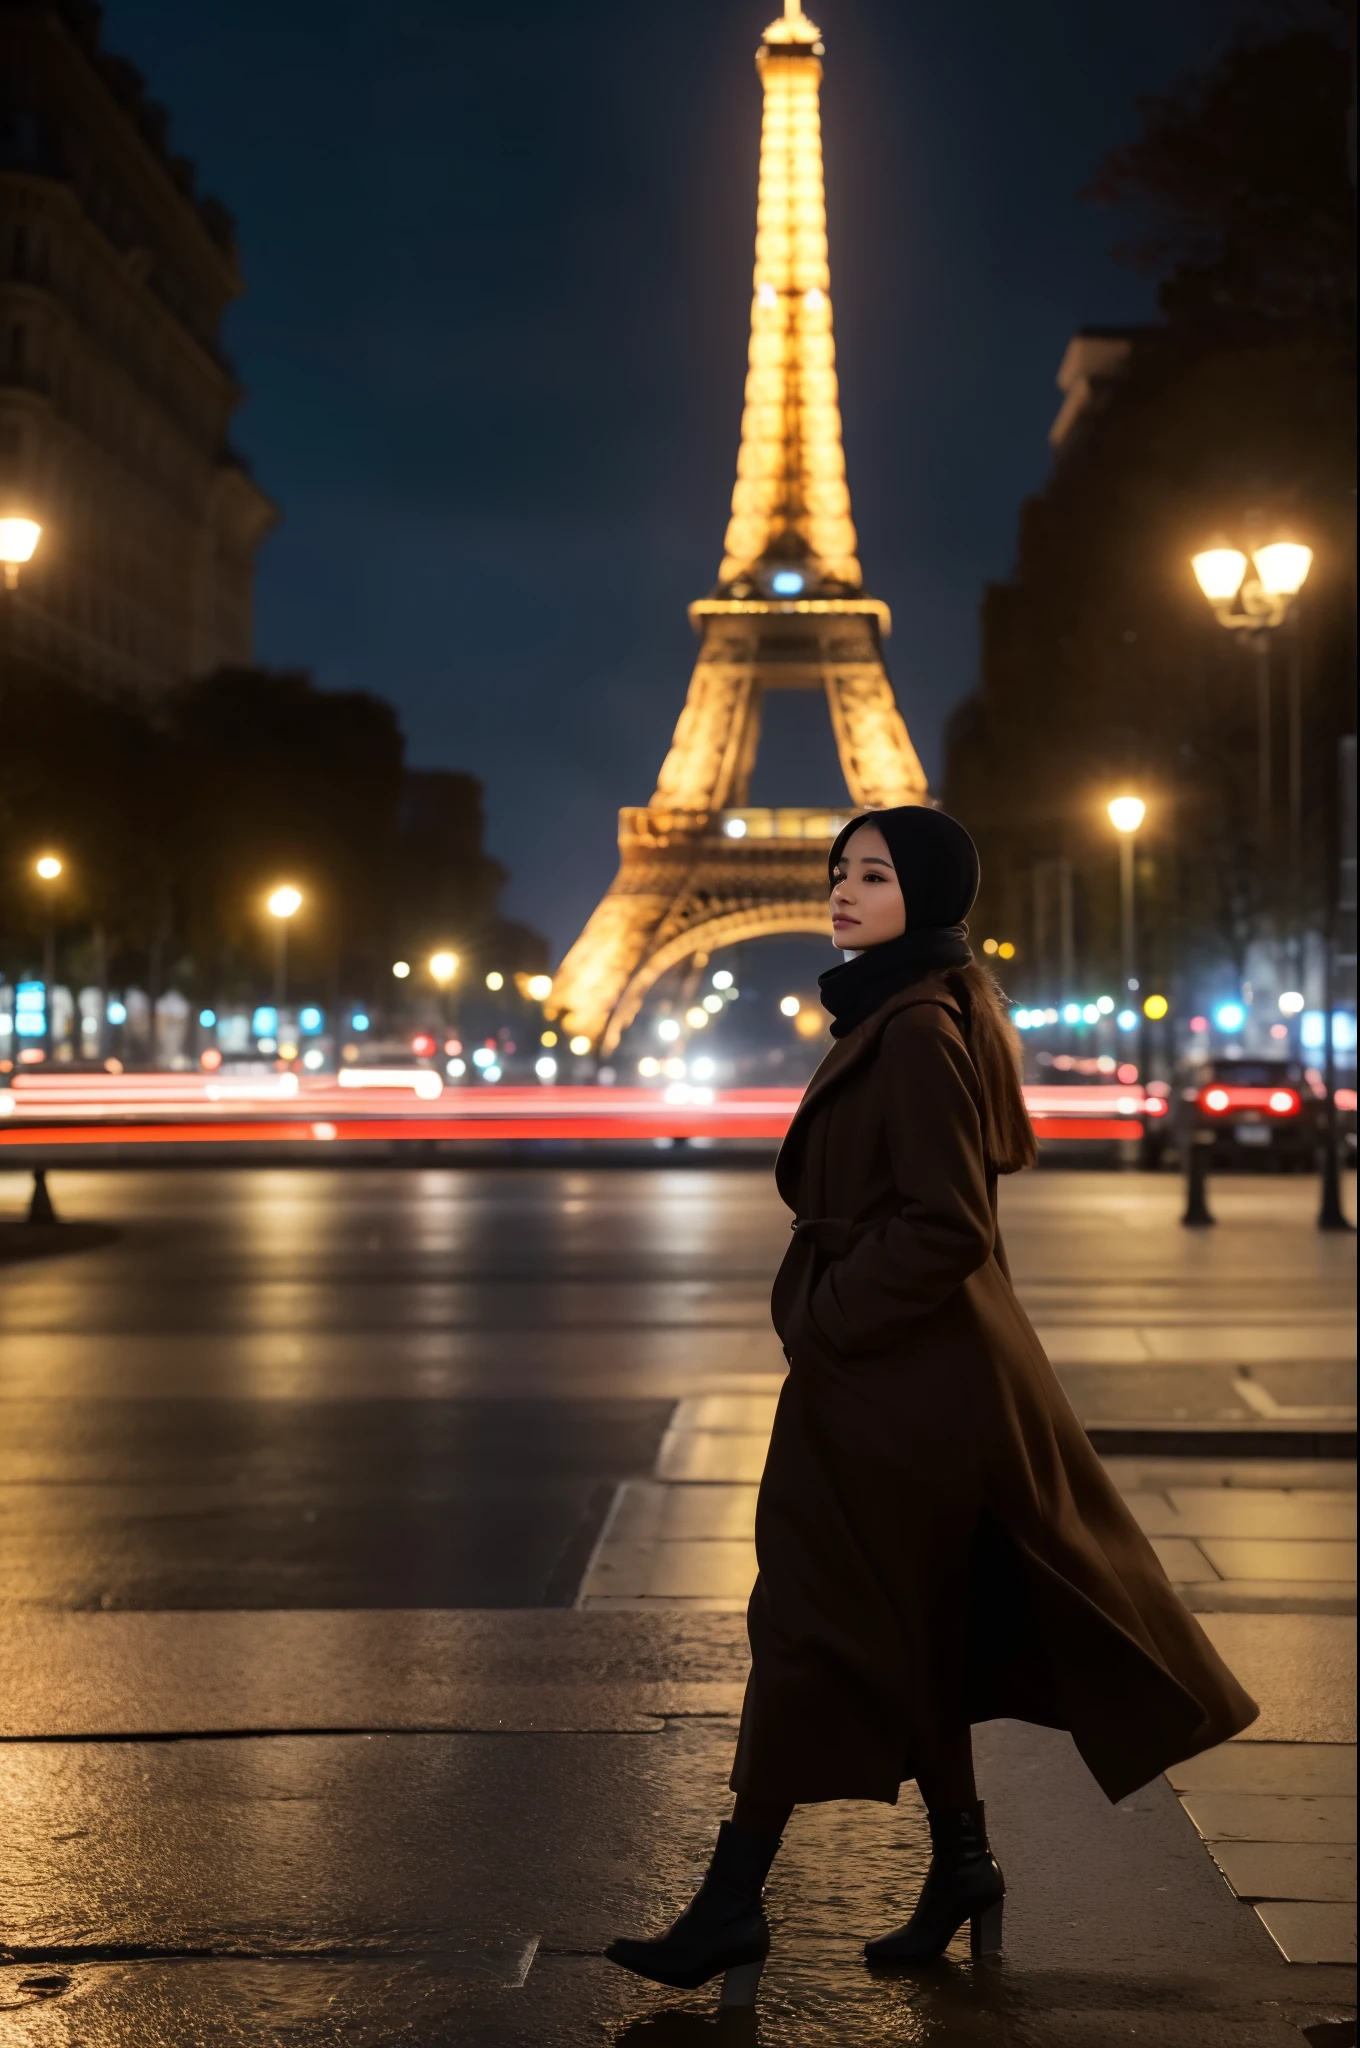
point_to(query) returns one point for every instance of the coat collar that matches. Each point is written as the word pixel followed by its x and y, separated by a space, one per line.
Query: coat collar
pixel 845 1054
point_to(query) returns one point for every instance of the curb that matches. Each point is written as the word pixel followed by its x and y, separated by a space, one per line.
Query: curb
pixel 1154 1441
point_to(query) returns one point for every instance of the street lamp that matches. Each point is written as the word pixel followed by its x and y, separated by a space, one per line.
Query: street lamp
pixel 284 904
pixel 18 539
pixel 1126 814
pixel 48 869
pixel 1255 596
pixel 443 968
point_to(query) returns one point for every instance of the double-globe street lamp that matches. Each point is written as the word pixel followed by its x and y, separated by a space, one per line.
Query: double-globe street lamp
pixel 1255 596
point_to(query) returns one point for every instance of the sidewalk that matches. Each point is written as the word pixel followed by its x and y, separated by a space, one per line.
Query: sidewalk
pixel 354 1825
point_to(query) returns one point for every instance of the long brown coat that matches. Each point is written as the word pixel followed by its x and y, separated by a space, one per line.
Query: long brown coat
pixel 938 1543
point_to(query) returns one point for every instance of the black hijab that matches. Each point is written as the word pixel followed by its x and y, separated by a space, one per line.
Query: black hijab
pixel 937 866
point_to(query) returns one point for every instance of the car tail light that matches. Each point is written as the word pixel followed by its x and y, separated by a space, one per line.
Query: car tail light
pixel 1220 1099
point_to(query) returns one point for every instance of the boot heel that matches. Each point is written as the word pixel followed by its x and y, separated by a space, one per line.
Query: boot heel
pixel 740 1984
pixel 984 1931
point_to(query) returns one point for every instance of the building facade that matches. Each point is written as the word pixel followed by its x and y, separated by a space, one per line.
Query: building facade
pixel 115 397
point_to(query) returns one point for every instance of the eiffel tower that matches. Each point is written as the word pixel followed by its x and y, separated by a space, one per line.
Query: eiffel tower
pixel 700 868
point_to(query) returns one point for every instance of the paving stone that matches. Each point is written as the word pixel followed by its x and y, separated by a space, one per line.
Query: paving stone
pixel 1252 1512
pixel 1311 1933
pixel 1282 1767
pixel 1300 1668
pixel 742 1414
pixel 710 1512
pixel 698 1570
pixel 1288 1870
pixel 1164 1475
pixel 1268 1596
pixel 1235 1557
pixel 698 1455
pixel 1182 1560
pixel 1271 1817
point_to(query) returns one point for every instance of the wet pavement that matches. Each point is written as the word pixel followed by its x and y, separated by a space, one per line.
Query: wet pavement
pixel 306 1738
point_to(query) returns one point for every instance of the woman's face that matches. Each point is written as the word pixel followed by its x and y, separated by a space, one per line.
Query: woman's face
pixel 866 896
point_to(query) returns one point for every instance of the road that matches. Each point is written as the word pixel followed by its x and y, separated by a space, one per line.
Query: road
pixel 305 1477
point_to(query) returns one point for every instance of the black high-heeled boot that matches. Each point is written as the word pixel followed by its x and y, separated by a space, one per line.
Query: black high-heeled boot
pixel 964 1882
pixel 722 1928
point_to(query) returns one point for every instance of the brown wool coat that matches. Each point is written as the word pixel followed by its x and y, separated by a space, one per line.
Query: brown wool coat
pixel 938 1543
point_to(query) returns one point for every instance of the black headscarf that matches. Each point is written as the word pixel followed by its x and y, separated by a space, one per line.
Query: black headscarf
pixel 937 866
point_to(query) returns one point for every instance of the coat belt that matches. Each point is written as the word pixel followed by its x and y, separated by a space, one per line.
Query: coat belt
pixel 833 1235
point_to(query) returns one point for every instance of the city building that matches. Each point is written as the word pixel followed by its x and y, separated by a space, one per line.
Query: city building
pixel 115 397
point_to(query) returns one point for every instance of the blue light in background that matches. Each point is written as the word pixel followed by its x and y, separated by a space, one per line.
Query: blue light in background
pixel 1071 1013
pixel 358 1022
pixel 207 1018
pixel 30 1009
pixel 1127 1020
pixel 1230 1016
pixel 309 1019
pixel 265 1022
pixel 1313 1031
pixel 116 1012
pixel 786 582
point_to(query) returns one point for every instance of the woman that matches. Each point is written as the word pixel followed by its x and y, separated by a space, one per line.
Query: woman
pixel 938 1544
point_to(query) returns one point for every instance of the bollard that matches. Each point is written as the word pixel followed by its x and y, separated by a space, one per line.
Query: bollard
pixel 1198 1214
pixel 40 1208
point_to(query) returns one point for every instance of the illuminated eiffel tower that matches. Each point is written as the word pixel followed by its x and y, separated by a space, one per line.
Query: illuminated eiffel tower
pixel 699 868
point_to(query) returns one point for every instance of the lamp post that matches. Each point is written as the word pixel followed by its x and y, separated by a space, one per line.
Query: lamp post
pixel 1255 595
pixel 443 970
pixel 1126 814
pixel 48 869
pixel 284 904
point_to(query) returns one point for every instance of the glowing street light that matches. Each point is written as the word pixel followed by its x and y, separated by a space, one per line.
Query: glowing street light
pixel 48 869
pixel 790 1006
pixel 1255 596
pixel 495 981
pixel 539 987
pixel 283 905
pixel 1263 598
pixel 1283 567
pixel 1126 813
pixel 443 967
pixel 18 539
pixel 1219 573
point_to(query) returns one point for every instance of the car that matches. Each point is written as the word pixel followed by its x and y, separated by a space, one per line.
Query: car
pixel 1265 1113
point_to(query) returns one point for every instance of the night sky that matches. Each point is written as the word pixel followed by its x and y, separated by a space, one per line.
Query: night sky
pixel 498 263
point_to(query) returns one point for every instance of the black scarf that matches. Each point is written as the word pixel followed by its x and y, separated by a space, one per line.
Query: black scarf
pixel 937 866
pixel 855 989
